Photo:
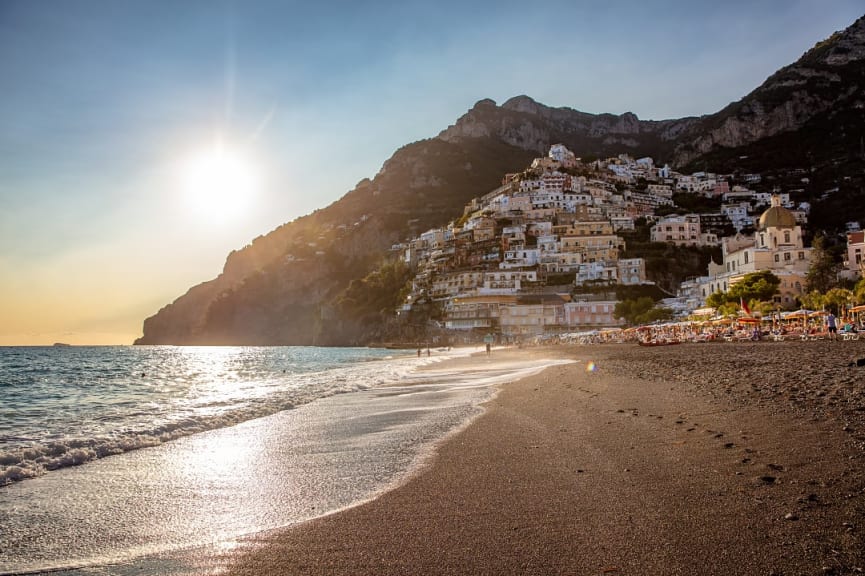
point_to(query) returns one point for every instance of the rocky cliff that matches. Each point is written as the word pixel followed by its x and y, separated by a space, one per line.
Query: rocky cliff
pixel 829 77
pixel 809 116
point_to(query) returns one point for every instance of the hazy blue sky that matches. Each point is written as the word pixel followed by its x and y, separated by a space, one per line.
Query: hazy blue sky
pixel 104 105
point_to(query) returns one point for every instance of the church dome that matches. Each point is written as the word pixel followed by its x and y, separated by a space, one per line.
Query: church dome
pixel 777 217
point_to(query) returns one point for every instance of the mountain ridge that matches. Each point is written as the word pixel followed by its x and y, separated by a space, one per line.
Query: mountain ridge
pixel 278 289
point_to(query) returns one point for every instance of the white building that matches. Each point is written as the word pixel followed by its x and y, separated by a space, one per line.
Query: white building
pixel 605 272
pixel 520 258
pixel 562 155
pixel 854 262
pixel 587 314
pixel 738 215
pixel 682 231
pixel 776 245
pixel 632 271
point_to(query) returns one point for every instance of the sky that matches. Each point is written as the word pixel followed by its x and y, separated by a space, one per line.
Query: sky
pixel 142 141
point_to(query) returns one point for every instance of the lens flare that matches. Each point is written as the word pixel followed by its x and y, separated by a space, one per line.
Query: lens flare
pixel 591 367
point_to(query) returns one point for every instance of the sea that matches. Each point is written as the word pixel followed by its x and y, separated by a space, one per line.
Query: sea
pixel 145 459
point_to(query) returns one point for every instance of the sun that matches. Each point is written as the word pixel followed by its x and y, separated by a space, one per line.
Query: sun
pixel 218 183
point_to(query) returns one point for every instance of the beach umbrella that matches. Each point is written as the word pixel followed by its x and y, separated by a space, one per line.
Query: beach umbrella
pixel 817 313
pixel 799 314
pixel 860 308
pixel 749 320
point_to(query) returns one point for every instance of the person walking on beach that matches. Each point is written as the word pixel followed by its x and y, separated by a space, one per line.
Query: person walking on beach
pixel 832 326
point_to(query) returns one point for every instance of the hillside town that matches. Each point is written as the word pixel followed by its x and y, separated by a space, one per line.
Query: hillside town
pixel 543 253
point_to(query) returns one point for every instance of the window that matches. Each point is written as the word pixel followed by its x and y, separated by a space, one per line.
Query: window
pixel 777 259
pixel 746 257
pixel 801 255
pixel 787 256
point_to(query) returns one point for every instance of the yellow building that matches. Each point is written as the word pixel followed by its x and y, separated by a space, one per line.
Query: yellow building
pixel 777 245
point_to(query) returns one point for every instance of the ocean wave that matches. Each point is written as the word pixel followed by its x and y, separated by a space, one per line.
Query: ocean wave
pixel 37 458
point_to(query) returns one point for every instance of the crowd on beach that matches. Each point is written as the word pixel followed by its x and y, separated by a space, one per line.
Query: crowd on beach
pixel 804 326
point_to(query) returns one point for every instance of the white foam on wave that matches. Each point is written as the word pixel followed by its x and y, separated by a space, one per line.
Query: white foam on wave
pixel 208 412
pixel 265 473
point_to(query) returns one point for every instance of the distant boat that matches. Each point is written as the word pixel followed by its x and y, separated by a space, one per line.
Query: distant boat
pixel 61 345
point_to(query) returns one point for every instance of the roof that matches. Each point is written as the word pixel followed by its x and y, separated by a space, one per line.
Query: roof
pixel 777 217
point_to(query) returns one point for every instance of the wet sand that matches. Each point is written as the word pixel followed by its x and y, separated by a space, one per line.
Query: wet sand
pixel 721 458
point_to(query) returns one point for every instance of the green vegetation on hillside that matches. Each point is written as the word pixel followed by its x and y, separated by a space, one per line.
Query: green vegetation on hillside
pixel 641 311
pixel 752 288
pixel 666 264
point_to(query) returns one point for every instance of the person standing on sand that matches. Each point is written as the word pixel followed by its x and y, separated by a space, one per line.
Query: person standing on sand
pixel 831 326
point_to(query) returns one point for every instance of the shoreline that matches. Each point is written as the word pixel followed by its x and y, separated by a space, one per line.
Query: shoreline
pixel 147 510
pixel 662 460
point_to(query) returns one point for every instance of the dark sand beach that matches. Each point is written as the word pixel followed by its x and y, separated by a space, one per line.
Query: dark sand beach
pixel 723 458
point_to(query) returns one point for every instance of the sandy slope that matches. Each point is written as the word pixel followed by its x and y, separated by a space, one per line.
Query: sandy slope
pixel 691 459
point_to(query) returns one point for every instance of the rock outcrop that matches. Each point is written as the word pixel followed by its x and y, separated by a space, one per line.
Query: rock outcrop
pixel 278 289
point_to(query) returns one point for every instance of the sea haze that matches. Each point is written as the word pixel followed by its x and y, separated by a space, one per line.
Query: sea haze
pixel 260 448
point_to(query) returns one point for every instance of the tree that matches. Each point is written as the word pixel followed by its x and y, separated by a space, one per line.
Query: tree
pixel 728 309
pixel 812 300
pixel 655 314
pixel 837 299
pixel 859 292
pixel 641 311
pixel 765 308
pixel 716 299
pixel 761 286
pixel 377 294
pixel 823 271
pixel 630 309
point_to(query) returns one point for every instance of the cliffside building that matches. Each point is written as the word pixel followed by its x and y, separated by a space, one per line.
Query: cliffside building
pixel 682 231
pixel 854 262
pixel 776 246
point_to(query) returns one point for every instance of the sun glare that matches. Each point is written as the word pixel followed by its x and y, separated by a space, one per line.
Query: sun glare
pixel 218 183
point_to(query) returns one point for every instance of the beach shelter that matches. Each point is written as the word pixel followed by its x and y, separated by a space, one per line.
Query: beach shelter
pixel 800 314
pixel 858 310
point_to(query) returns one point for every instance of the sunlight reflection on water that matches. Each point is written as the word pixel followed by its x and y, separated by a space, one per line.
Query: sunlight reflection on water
pixel 216 486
